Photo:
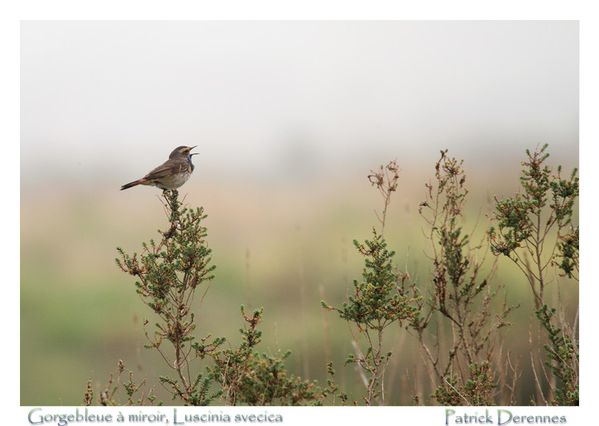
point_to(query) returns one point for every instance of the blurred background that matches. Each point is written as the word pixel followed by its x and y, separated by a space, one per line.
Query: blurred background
pixel 289 118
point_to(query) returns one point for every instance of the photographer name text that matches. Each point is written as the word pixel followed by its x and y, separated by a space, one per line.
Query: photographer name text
pixel 499 417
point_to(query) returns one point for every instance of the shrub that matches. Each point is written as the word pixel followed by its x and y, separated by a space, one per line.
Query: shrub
pixel 168 273
pixel 535 230
pixel 462 297
pixel 381 298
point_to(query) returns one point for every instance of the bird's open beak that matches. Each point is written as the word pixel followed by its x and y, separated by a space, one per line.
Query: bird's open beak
pixel 194 153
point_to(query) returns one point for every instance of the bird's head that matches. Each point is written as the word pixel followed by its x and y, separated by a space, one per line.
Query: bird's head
pixel 182 152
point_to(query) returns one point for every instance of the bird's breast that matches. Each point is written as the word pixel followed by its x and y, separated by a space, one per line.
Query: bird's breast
pixel 175 180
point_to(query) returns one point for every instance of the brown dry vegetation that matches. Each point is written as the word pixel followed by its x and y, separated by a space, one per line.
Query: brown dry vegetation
pixel 433 323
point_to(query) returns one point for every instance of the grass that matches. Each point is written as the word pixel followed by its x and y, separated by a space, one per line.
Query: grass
pixel 79 314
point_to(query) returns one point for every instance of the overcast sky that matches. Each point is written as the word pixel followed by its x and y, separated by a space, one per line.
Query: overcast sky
pixel 111 95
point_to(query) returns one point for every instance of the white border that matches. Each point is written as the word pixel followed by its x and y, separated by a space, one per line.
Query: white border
pixel 12 12
pixel 301 416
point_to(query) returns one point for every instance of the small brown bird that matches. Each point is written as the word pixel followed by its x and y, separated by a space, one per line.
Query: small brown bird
pixel 171 174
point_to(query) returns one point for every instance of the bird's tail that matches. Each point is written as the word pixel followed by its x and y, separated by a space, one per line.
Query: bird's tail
pixel 134 183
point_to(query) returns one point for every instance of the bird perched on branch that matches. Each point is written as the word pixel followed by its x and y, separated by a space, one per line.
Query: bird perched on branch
pixel 173 173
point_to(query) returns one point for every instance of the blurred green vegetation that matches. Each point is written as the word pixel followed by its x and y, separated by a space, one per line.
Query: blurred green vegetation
pixel 283 248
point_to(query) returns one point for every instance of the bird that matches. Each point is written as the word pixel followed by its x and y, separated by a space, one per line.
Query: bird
pixel 171 174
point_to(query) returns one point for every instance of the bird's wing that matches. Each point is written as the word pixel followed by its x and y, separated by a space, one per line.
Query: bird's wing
pixel 167 168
